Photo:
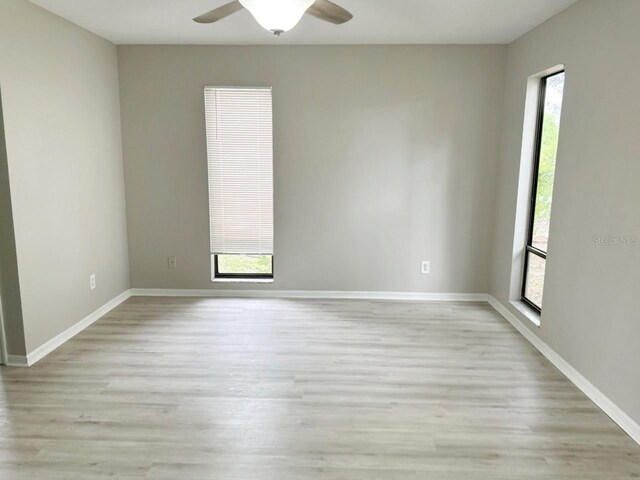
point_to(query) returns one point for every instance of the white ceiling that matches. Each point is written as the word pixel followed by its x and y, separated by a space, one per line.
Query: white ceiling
pixel 375 22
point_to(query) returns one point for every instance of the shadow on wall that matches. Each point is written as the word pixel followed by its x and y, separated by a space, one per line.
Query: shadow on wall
pixel 12 331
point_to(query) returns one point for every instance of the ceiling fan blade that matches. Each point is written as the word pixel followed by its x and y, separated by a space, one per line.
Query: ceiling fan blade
pixel 219 13
pixel 329 12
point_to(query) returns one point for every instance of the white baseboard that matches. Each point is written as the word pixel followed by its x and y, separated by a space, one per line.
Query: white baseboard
pixel 55 342
pixel 16 361
pixel 432 297
pixel 600 399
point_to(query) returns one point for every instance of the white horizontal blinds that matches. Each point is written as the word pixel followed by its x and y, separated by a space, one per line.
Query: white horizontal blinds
pixel 240 159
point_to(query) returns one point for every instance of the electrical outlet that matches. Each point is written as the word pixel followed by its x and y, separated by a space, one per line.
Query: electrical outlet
pixel 92 282
pixel 172 262
pixel 425 267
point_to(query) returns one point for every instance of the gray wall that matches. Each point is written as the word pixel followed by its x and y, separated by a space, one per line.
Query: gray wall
pixel 591 298
pixel 384 156
pixel 64 155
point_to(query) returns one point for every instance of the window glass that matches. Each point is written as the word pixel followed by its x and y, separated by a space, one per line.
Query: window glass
pixel 245 265
pixel 534 279
pixel 547 165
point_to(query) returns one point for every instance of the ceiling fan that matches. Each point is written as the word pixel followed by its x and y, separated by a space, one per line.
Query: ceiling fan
pixel 279 16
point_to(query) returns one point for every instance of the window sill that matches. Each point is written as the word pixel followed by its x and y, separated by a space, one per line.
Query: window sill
pixel 527 312
pixel 242 280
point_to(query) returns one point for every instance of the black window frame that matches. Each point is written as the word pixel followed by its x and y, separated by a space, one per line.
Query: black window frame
pixel 537 151
pixel 241 276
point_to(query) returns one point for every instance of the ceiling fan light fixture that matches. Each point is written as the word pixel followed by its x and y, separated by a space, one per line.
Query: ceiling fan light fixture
pixel 277 16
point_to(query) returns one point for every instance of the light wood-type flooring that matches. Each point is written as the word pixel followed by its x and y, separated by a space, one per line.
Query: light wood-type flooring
pixel 272 389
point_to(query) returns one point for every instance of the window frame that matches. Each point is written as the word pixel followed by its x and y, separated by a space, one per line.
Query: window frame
pixel 537 151
pixel 240 276
pixel 216 252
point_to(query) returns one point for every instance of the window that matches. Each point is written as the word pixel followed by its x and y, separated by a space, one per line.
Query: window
pixel 240 164
pixel 545 151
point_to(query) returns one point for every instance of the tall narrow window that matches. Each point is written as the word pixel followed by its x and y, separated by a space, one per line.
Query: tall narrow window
pixel 240 161
pixel 545 150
